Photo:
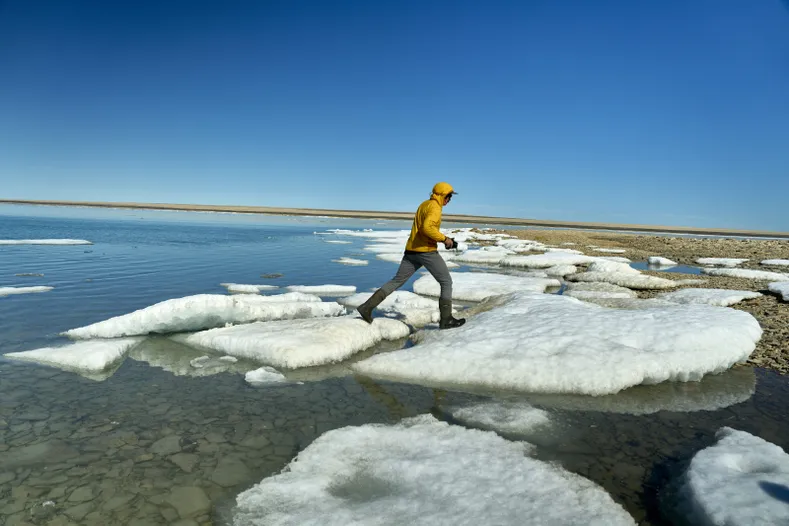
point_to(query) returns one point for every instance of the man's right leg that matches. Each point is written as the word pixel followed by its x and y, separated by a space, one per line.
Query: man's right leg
pixel 406 270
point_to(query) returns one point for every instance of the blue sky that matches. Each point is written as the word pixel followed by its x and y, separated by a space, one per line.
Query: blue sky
pixel 668 112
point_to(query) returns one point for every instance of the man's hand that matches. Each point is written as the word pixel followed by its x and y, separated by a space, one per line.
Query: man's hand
pixel 449 243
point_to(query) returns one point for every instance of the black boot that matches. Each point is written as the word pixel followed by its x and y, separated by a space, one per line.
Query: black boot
pixel 447 321
pixel 366 308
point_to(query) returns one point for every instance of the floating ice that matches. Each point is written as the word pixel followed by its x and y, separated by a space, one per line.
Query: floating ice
pixel 717 297
pixel 92 356
pixel 338 242
pixel 484 256
pixel 742 480
pixel 611 250
pixel 423 472
pixel 9 291
pixel 351 261
pixel 565 250
pixel 555 344
pixel 623 275
pixel 503 417
pixel 394 257
pixel 776 262
pixel 713 392
pixel 264 376
pixel 44 242
pixel 181 360
pixel 780 287
pixel 547 260
pixel 323 290
pixel 746 273
pixel 203 311
pixel 297 343
pixel 385 248
pixel 659 261
pixel 477 286
pixel 592 290
pixel 415 309
pixel 618 259
pixel 561 270
pixel 246 289
pixel 721 262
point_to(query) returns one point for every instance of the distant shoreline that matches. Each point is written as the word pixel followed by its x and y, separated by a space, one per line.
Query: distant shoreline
pixel 407 216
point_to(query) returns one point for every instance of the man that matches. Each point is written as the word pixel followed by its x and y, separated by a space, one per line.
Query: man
pixel 422 251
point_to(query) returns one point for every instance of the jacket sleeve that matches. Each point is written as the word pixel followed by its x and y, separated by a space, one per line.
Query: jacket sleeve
pixel 432 222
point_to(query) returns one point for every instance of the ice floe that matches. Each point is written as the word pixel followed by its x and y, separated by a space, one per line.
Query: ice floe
pixel 501 416
pixel 717 297
pixel 297 343
pixel 484 256
pixel 548 343
pixel 741 480
pixel 776 262
pixel 621 274
pixel 351 261
pixel 92 356
pixel 593 290
pixel 547 260
pixel 44 242
pixel 477 286
pixel 415 309
pixel 561 270
pixel 713 392
pixel 338 241
pixel 323 290
pixel 781 288
pixel 204 311
pixel 721 262
pixel 11 291
pixel 618 259
pixel 746 273
pixel 659 261
pixel 264 376
pixel 423 472
pixel 182 360
pixel 237 288
pixel 611 250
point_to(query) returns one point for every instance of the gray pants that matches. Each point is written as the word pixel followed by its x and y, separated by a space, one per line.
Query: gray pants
pixel 413 261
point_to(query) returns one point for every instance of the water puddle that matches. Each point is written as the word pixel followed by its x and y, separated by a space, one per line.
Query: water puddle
pixel 680 269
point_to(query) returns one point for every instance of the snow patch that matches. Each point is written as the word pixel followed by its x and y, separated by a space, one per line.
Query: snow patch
pixel 236 288
pixel 659 261
pixel 477 286
pixel 776 262
pixel 721 262
pixel 717 297
pixel 351 261
pixel 92 356
pixel 323 290
pixel 780 287
pixel 746 273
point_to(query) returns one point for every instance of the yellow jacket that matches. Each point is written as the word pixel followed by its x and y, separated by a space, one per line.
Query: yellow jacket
pixel 425 232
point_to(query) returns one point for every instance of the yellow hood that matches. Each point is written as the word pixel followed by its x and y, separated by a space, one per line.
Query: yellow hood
pixel 440 191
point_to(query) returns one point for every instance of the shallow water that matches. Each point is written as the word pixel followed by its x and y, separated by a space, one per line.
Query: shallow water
pixel 680 269
pixel 150 444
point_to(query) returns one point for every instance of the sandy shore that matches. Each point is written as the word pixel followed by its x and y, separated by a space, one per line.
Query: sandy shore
pixel 406 216
pixel 772 313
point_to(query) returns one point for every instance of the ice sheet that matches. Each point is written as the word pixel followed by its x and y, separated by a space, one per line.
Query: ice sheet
pixel 89 357
pixel 237 288
pixel 659 261
pixel 477 286
pixel 415 309
pixel 423 472
pixel 718 297
pixel 297 343
pixel 781 288
pixel 721 262
pixel 11 291
pixel 746 273
pixel 776 262
pixel 204 311
pixel 556 344
pixel 44 242
pixel 323 290
pixel 592 290
pixel 547 260
pixel 351 261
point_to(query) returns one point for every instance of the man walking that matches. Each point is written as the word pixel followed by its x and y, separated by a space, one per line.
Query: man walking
pixel 422 251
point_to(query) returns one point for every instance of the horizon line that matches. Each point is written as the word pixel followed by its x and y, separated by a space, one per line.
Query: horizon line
pixel 373 214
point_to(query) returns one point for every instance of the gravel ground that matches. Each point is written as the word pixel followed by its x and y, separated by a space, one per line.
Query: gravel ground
pixel 773 314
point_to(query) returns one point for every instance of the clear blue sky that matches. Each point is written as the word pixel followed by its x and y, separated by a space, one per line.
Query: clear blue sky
pixel 652 111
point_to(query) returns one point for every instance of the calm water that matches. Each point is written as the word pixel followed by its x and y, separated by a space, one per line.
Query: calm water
pixel 150 445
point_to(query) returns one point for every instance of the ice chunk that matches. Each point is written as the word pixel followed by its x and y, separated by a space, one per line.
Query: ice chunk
pixel 9 291
pixel 338 242
pixel 44 242
pixel 324 290
pixel 547 260
pixel 618 259
pixel 203 311
pixel 385 248
pixel 246 289
pixel 776 262
pixel 561 270
pixel 351 261
pixel 742 480
pixel 484 256
pixel 746 273
pixel 89 357
pixel 713 392
pixel 605 265
pixel 565 250
pixel 264 376
pixel 394 257
pixel 297 343
pixel 659 261
pixel 623 279
pixel 181 360
pixel 718 297
pixel 611 250
pixel 423 472
pixel 721 262
pixel 415 309
pixel 592 290
pixel 477 286
pixel 555 344
pixel 780 287
pixel 503 417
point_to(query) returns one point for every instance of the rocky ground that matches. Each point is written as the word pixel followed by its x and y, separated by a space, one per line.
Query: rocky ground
pixel 773 314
